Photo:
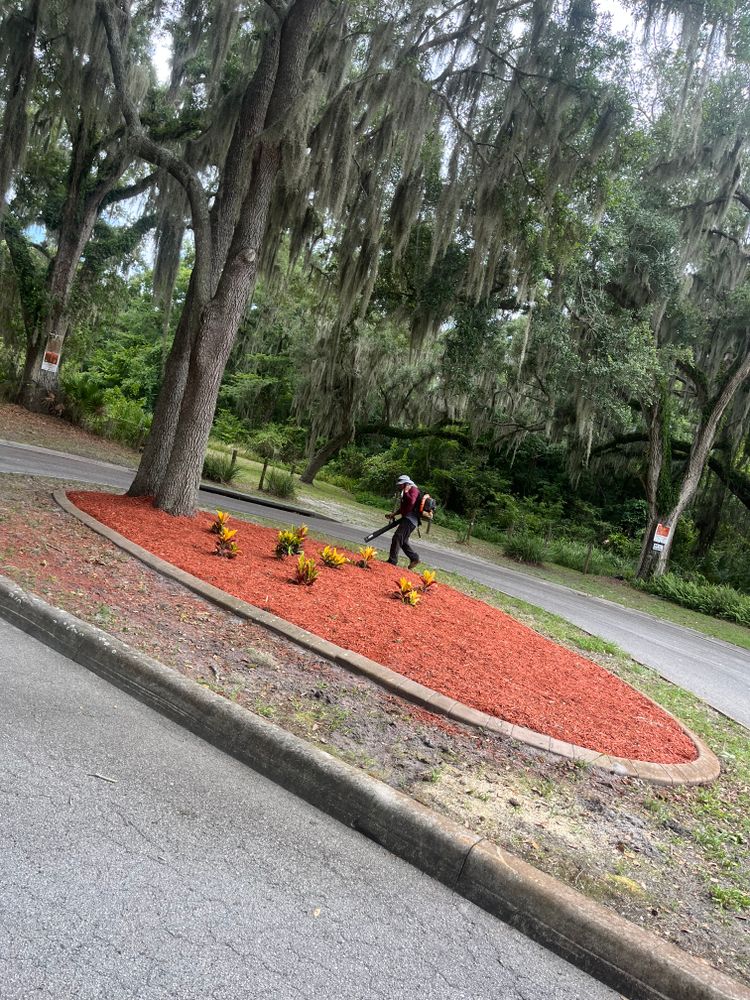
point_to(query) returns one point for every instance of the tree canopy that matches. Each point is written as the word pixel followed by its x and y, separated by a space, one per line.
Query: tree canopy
pixel 484 224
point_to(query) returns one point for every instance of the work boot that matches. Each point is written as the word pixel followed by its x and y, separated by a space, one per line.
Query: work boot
pixel 392 562
pixel 413 563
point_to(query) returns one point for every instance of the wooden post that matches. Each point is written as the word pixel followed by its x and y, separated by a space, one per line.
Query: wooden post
pixel 588 557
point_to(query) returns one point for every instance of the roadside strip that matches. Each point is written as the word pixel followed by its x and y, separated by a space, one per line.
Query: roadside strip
pixel 595 939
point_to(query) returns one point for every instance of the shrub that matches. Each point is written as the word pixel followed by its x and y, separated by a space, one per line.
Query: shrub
pixel 407 592
pixel 575 555
pixel 219 468
pixel 226 545
pixel 428 580
pixel 366 555
pixel 306 572
pixel 221 522
pixel 525 548
pixel 290 542
pixel 228 428
pixel 379 472
pixel 708 598
pixel 117 417
pixel 332 557
pixel 280 484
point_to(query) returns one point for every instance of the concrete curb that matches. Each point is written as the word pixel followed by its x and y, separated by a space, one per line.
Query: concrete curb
pixel 207 487
pixel 592 937
pixel 704 769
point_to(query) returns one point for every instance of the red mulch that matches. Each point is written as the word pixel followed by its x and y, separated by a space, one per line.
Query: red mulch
pixel 451 643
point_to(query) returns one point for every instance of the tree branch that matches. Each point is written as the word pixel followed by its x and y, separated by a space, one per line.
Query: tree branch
pixel 160 156
pixel 122 194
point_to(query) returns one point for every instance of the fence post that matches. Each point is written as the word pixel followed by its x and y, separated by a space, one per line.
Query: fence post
pixel 588 557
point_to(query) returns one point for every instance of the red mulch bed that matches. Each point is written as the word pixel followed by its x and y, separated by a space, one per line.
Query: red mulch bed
pixel 451 643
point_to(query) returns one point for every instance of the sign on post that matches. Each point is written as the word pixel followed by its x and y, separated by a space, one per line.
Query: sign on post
pixel 51 359
pixel 661 537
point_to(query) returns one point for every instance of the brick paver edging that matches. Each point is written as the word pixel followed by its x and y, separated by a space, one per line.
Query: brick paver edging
pixel 703 769
pixel 621 954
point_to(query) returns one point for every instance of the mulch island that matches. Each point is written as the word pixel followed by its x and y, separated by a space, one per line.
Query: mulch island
pixel 449 642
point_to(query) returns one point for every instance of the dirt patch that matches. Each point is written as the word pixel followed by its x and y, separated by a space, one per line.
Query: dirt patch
pixel 17 424
pixel 653 855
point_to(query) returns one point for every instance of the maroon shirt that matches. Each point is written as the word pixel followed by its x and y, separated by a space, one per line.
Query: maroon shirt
pixel 408 503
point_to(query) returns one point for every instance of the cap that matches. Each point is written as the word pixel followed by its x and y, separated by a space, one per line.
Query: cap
pixel 402 480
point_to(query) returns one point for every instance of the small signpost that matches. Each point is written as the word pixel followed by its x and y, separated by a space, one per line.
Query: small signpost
pixel 51 359
pixel 661 537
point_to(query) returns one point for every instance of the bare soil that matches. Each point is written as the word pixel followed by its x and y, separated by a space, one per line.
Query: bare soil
pixel 638 849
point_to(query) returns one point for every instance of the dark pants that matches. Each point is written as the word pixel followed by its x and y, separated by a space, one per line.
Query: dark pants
pixel 401 540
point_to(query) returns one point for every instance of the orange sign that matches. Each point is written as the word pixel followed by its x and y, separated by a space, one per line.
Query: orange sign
pixel 661 537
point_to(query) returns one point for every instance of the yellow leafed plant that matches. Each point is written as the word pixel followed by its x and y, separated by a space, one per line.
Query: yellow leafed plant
pixel 406 591
pixel 226 545
pixel 366 555
pixel 332 557
pixel 222 520
pixel 290 542
pixel 306 572
pixel 428 580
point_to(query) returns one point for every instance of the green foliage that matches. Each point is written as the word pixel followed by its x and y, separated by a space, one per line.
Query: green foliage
pixel 575 555
pixel 219 468
pixel 708 598
pixel 84 394
pixel 380 472
pixel 120 419
pixel 267 444
pixel 525 548
pixel 228 428
pixel 10 377
pixel 280 484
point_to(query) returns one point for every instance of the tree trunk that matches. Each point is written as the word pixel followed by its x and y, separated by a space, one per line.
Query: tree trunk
pixel 654 476
pixel 709 518
pixel 238 223
pixel 54 321
pixel 656 563
pixel 263 473
pixel 322 457
pixel 218 325
pixel 158 448
pixel 84 199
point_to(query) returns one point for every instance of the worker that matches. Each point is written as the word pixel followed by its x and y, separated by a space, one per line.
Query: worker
pixel 409 492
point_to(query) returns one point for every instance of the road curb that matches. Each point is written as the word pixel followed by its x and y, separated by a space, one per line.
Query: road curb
pixel 597 940
pixel 704 769
pixel 262 501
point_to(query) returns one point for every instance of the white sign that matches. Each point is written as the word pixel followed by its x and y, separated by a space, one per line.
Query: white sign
pixel 51 359
pixel 662 535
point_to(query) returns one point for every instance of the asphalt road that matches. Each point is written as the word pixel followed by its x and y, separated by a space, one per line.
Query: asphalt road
pixel 140 862
pixel 716 671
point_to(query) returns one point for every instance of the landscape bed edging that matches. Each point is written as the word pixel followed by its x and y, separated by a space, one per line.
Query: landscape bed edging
pixel 595 939
pixel 704 769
